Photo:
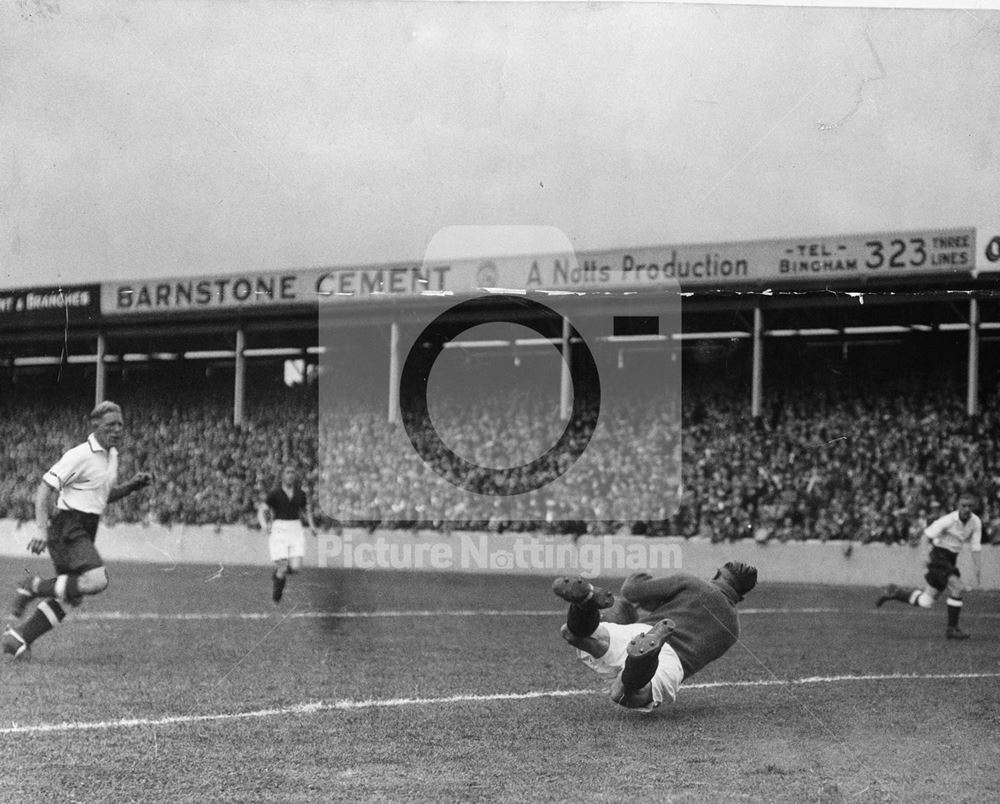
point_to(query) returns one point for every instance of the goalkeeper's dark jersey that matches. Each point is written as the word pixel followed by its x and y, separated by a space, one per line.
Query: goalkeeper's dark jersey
pixel 704 611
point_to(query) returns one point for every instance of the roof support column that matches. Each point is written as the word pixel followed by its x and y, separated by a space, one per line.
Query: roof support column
pixel 565 378
pixel 972 397
pixel 757 386
pixel 393 372
pixel 101 379
pixel 239 383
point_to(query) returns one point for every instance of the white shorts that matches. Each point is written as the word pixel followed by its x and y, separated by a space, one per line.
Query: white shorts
pixel 669 673
pixel 287 539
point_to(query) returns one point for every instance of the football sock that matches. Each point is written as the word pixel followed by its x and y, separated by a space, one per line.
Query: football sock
pixel 639 671
pixel 583 619
pixel 24 596
pixel 62 587
pixel 278 586
pixel 46 617
pixel 954 609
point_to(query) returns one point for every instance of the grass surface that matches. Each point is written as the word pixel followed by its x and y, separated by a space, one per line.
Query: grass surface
pixel 454 738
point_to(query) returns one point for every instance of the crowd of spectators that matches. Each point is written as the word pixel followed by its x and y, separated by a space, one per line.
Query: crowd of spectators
pixel 207 470
pixel 857 461
pixel 628 467
pixel 866 469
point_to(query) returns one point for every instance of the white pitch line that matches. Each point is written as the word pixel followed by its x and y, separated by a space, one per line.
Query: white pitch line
pixel 385 703
pixel 365 615
pixel 777 682
pixel 305 615
pixel 791 611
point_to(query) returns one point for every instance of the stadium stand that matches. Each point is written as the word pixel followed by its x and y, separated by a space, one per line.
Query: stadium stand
pixel 843 453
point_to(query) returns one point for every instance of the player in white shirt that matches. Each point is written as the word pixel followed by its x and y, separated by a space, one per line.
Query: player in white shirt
pixel 83 482
pixel 947 535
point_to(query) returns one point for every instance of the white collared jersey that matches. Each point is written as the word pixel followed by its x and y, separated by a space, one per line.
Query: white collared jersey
pixel 951 533
pixel 84 477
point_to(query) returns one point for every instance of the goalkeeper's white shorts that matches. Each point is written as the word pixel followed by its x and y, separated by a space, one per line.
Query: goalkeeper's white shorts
pixel 669 673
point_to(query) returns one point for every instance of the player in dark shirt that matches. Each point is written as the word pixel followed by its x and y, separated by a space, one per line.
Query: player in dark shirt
pixel 280 516
pixel 686 623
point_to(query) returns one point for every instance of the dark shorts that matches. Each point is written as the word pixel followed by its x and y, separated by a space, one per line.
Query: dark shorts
pixel 71 542
pixel 940 567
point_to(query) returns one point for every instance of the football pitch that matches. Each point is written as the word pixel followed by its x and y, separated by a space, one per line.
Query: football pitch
pixel 184 683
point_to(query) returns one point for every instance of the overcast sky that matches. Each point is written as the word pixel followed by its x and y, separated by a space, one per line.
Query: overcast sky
pixel 168 138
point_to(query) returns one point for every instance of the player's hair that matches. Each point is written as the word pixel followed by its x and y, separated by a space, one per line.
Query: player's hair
pixel 742 577
pixel 968 491
pixel 285 467
pixel 104 407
